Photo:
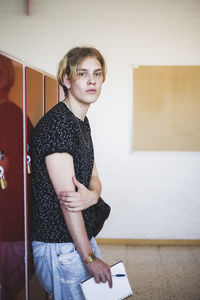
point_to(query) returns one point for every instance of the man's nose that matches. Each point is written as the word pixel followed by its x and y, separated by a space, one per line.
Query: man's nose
pixel 91 79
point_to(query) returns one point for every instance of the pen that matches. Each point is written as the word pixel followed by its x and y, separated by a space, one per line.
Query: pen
pixel 119 275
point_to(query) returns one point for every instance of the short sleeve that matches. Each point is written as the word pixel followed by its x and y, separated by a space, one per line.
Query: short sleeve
pixel 54 136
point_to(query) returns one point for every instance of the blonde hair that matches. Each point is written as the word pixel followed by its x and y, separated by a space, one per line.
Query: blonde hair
pixel 68 65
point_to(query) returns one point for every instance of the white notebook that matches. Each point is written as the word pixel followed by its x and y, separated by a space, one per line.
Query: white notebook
pixel 121 288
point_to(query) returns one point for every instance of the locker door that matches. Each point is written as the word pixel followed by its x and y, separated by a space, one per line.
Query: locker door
pixel 50 92
pixel 34 95
pixel 12 245
pixel 34 109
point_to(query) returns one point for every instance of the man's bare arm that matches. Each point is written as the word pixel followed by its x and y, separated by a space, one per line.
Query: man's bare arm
pixel 95 183
pixel 83 198
pixel 61 170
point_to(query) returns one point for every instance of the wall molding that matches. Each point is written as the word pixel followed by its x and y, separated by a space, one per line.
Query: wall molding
pixel 148 242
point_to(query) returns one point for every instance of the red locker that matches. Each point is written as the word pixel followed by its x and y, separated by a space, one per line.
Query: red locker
pixel 12 244
pixel 24 95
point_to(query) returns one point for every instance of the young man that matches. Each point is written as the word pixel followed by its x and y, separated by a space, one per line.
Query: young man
pixel 65 184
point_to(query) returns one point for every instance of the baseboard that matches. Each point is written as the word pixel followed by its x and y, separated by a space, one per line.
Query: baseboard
pixel 148 242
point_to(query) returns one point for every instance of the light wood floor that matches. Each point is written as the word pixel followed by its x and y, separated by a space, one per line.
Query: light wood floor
pixel 159 273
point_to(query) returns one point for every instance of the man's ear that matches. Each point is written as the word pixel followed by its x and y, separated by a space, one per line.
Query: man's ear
pixel 67 82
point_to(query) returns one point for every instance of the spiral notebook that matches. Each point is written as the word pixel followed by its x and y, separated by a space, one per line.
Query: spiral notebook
pixel 121 287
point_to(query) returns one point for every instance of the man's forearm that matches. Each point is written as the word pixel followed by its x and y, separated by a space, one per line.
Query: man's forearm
pixel 60 167
pixel 75 224
pixel 95 187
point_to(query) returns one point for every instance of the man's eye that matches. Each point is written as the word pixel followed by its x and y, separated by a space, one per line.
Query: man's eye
pixel 82 74
pixel 98 74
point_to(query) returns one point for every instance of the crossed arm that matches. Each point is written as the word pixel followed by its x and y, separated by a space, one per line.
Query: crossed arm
pixel 60 167
pixel 83 198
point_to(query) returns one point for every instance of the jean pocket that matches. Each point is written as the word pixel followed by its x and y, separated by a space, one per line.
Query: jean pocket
pixel 42 266
pixel 72 270
pixel 39 249
pixel 43 272
pixel 68 257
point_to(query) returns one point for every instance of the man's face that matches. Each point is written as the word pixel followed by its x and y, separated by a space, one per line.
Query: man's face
pixel 86 86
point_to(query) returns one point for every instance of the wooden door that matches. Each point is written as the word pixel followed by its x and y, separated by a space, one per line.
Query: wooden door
pixel 34 87
pixel 12 244
pixel 50 92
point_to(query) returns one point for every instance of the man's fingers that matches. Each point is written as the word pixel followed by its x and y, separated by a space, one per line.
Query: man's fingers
pixel 67 194
pixel 109 277
pixel 103 277
pixel 97 278
pixel 77 183
pixel 70 204
pixel 72 209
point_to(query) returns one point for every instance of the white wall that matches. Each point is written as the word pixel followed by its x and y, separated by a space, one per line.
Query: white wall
pixel 153 195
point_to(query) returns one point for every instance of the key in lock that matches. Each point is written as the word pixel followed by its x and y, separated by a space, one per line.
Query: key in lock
pixel 28 164
pixel 3 182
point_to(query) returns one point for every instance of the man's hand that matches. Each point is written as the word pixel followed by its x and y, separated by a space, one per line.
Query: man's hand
pixel 80 200
pixel 100 271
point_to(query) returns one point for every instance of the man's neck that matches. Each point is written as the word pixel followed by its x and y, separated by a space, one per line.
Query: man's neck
pixel 79 109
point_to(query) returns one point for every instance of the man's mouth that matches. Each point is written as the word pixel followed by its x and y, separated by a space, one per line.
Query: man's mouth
pixel 91 91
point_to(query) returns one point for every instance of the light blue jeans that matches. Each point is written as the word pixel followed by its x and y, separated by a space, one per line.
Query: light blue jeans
pixel 59 269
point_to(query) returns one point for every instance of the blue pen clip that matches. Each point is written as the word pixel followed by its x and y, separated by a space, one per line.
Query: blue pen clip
pixel 119 275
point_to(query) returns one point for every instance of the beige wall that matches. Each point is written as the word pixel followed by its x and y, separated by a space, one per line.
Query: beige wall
pixel 153 195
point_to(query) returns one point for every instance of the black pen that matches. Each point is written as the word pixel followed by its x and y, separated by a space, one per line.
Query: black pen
pixel 119 275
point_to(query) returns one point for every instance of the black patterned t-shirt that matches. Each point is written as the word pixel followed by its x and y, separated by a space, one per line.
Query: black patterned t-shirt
pixel 59 130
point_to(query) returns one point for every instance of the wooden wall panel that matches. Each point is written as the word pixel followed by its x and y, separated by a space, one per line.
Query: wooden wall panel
pixel 34 95
pixel 50 92
pixel 166 103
